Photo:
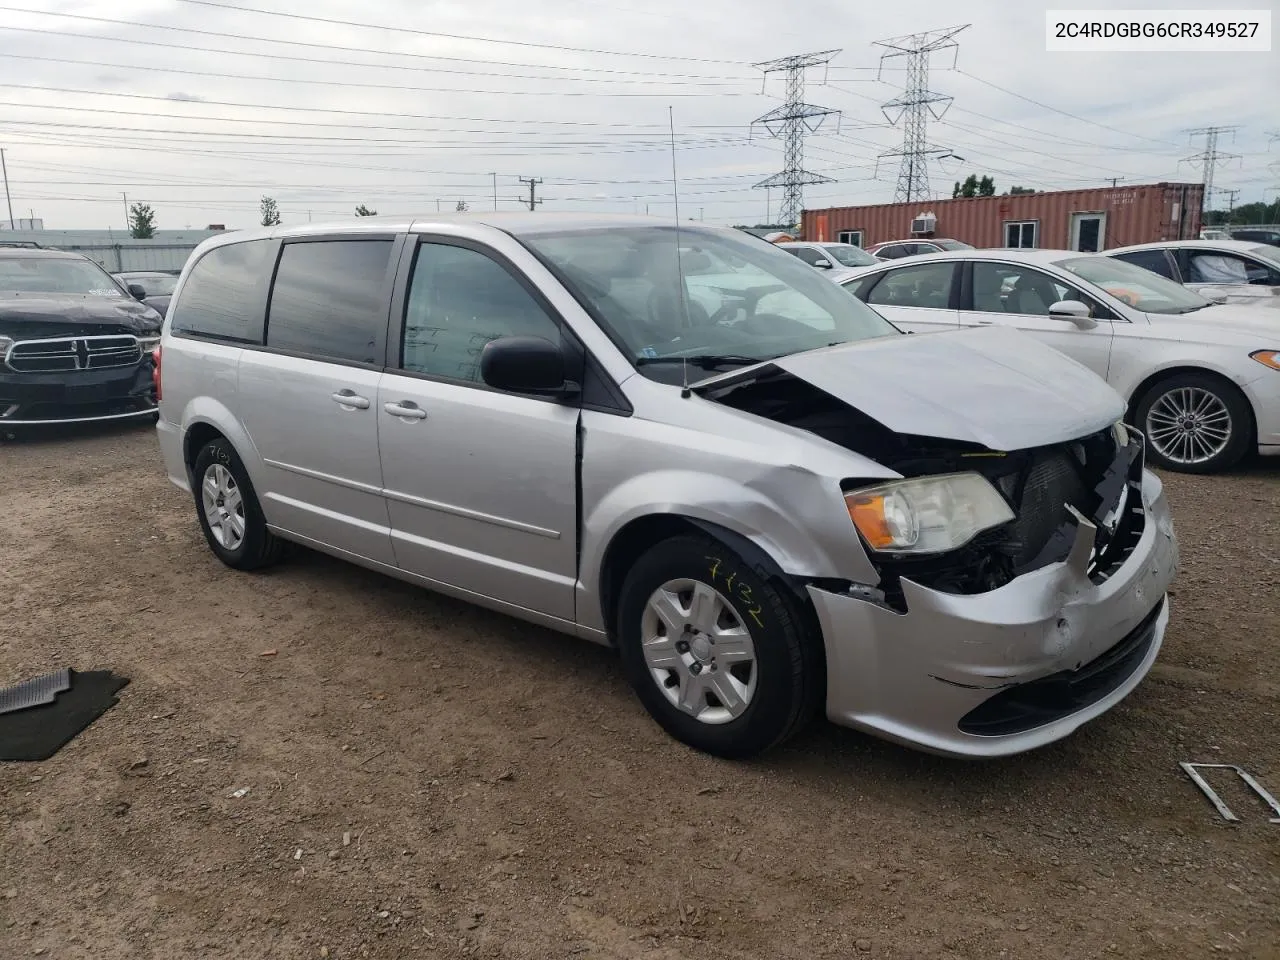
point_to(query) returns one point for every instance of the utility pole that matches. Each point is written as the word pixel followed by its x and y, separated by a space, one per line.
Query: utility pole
pixel 495 190
pixel 1114 181
pixel 792 121
pixel 1209 159
pixel 8 199
pixel 1231 201
pixel 127 225
pixel 533 185
pixel 915 106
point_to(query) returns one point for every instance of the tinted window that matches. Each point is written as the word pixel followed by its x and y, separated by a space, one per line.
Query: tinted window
pixel 1154 260
pixel 921 285
pixel 225 292
pixel 1020 234
pixel 1013 288
pixel 459 300
pixel 329 299
pixel 808 254
pixel 1212 266
pixel 896 250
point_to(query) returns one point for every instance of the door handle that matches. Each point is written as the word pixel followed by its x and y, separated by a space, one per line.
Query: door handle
pixel 348 398
pixel 407 410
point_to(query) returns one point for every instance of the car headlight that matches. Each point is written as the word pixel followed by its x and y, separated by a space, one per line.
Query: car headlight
pixel 1269 358
pixel 5 344
pixel 149 343
pixel 926 514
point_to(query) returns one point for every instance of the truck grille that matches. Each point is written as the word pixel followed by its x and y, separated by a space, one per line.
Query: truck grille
pixel 73 353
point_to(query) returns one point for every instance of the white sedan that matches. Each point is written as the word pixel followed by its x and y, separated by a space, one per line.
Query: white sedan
pixel 1202 379
pixel 1240 270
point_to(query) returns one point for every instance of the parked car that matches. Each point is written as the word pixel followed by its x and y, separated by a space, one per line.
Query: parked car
pixel 1233 271
pixel 896 249
pixel 768 505
pixel 156 287
pixel 1202 380
pixel 73 346
pixel 1257 235
pixel 829 256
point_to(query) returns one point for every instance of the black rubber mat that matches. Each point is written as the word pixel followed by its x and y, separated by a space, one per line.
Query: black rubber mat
pixel 32 693
pixel 37 733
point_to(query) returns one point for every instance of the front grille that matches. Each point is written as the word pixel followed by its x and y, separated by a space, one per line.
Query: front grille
pixel 1040 702
pixel 73 353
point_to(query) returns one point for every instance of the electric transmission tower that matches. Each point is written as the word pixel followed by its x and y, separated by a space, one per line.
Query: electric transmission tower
pixel 1209 159
pixel 915 106
pixel 792 121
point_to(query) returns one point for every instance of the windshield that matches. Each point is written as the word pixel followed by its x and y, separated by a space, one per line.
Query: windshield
pixel 156 286
pixel 743 301
pixel 55 275
pixel 1136 286
pixel 1269 254
pixel 847 255
pixel 952 245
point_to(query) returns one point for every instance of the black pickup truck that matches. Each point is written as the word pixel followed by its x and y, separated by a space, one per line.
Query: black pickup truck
pixel 75 347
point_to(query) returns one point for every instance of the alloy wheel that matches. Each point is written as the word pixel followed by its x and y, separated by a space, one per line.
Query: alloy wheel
pixel 223 506
pixel 1189 425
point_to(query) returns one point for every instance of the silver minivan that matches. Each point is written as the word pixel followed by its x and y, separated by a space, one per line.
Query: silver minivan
pixel 687 444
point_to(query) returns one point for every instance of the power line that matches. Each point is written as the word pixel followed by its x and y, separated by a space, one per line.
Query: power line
pixel 793 120
pixel 331 47
pixel 915 105
pixel 451 36
pixel 688 81
pixel 352 83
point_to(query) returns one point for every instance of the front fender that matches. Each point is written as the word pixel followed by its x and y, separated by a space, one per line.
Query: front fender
pixel 794 516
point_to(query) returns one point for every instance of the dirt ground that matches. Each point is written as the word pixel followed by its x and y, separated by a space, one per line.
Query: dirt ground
pixel 427 779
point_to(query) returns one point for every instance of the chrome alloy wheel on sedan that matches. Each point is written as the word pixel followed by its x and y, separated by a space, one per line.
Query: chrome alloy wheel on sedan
pixel 223 506
pixel 1189 425
pixel 698 651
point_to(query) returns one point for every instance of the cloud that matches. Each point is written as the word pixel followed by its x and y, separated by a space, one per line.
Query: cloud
pixel 339 115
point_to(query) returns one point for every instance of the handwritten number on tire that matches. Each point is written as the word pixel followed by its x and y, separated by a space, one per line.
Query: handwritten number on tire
pixel 743 592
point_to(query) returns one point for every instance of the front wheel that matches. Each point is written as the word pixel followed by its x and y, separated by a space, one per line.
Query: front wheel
pixel 1195 423
pixel 721 657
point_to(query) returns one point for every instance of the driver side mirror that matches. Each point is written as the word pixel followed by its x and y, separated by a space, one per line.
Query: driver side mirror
pixel 1075 311
pixel 822 264
pixel 526 365
pixel 137 291
pixel 1214 295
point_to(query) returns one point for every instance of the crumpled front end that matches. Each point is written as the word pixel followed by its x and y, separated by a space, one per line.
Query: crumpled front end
pixel 982 672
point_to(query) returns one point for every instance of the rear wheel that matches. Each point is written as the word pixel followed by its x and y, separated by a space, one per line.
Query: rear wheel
pixel 722 658
pixel 1195 423
pixel 228 509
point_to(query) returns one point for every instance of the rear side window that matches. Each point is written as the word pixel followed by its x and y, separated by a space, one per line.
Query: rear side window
pixel 920 285
pixel 225 293
pixel 330 299
pixel 1153 260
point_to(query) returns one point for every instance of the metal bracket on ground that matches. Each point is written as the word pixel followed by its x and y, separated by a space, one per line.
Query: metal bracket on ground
pixel 1192 770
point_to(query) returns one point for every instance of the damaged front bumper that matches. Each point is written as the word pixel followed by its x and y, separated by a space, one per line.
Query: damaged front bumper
pixel 997 673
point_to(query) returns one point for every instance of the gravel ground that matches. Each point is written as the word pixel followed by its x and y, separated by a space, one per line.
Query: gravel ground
pixel 431 780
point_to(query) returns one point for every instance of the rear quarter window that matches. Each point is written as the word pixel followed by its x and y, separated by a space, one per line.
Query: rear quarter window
pixel 225 294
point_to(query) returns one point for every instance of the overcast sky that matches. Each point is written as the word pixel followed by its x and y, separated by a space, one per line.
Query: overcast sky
pixel 200 109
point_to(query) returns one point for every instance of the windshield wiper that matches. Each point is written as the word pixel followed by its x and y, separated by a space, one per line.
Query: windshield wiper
pixel 704 361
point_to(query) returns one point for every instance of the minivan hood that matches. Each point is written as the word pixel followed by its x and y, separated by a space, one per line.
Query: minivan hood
pixel 991 386
pixel 45 310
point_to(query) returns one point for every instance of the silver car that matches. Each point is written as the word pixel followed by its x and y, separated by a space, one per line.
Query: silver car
pixel 769 499
pixel 1232 271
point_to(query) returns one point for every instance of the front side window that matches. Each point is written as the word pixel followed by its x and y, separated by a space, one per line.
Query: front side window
pixel 1214 266
pixel 62 276
pixel 741 301
pixel 1015 288
pixel 329 299
pixel 1139 288
pixel 896 250
pixel 459 300
pixel 920 285
pixel 809 255
pixel 1154 260
pixel 224 294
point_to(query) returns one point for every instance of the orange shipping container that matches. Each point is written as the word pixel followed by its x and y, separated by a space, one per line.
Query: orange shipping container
pixel 1094 219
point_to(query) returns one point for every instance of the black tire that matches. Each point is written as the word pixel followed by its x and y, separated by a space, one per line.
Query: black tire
pixel 1241 425
pixel 259 547
pixel 789 678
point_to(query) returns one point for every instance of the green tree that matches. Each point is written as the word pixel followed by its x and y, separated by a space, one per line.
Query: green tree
pixel 270 212
pixel 363 211
pixel 1018 191
pixel 967 189
pixel 142 221
pixel 986 187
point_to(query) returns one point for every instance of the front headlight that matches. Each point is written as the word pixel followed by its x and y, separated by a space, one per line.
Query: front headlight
pixel 149 342
pixel 1268 358
pixel 5 344
pixel 926 514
